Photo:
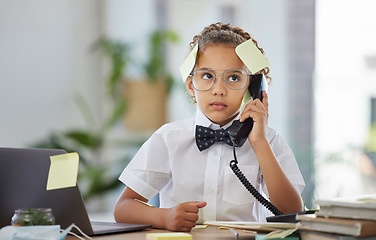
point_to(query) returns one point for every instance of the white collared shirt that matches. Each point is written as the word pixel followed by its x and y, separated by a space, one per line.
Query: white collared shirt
pixel 170 163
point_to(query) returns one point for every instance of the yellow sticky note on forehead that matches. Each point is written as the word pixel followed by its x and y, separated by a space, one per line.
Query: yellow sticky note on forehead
pixel 251 56
pixel 189 63
pixel 63 171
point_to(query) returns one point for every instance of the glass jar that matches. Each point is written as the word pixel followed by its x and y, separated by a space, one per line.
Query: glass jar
pixel 33 216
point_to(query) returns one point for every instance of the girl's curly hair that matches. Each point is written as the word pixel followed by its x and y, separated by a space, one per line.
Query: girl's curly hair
pixel 225 34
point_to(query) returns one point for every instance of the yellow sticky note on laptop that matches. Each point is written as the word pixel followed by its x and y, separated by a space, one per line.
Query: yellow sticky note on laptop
pixel 63 171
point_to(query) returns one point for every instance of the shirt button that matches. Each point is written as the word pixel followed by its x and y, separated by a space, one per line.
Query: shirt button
pixel 211 190
pixel 215 152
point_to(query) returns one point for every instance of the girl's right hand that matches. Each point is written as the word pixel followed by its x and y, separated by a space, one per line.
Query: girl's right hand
pixel 183 216
pixel 258 111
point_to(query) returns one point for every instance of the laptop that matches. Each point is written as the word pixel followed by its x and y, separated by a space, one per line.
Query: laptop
pixel 23 179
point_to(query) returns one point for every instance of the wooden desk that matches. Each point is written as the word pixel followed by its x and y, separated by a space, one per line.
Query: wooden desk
pixel 210 233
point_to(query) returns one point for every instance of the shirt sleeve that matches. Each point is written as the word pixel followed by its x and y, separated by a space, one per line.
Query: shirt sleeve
pixel 149 170
pixel 287 160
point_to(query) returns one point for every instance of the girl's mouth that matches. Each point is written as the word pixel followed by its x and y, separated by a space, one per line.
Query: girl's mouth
pixel 218 105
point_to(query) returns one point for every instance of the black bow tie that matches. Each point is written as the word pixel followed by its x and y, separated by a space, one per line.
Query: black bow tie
pixel 205 137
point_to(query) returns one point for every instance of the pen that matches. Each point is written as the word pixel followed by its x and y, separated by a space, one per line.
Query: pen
pixel 236 234
pixel 147 204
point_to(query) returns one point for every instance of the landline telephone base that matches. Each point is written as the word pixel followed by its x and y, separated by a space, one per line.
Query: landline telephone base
pixel 289 218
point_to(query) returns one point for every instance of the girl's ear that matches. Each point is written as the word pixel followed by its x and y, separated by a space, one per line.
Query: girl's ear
pixel 189 86
pixel 190 89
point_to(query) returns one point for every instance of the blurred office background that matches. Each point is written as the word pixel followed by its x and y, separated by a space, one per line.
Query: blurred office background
pixel 54 75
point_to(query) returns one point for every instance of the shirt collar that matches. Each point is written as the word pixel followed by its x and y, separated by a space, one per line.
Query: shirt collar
pixel 202 120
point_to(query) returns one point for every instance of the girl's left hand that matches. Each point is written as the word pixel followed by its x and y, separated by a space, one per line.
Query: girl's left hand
pixel 258 111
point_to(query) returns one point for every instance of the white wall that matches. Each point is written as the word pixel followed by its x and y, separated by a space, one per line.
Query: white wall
pixel 45 60
pixel 131 22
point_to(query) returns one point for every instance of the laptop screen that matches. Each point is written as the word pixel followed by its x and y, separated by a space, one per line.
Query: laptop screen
pixel 23 179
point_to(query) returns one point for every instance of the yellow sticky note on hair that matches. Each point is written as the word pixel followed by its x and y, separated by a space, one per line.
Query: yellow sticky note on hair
pixel 189 63
pixel 251 56
pixel 168 236
pixel 63 171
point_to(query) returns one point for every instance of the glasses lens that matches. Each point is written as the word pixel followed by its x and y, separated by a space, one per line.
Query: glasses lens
pixel 203 79
pixel 236 78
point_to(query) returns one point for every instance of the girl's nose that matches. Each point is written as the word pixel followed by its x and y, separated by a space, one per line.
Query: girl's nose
pixel 219 87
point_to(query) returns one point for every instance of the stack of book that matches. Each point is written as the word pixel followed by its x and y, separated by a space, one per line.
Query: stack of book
pixel 341 219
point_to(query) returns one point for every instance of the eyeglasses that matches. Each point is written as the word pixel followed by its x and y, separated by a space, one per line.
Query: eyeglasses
pixel 235 78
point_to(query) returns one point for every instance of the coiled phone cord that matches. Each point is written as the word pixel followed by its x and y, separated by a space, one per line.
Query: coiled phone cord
pixel 249 187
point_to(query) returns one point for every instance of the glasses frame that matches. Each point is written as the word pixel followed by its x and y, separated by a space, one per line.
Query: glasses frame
pixel 223 78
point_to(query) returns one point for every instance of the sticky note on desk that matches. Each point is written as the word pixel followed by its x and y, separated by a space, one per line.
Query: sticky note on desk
pixel 63 171
pixel 266 237
pixel 168 236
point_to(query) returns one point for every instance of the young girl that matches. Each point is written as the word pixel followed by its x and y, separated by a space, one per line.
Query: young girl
pixel 198 185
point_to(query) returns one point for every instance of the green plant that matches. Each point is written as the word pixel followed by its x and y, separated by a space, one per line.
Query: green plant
pixel 155 68
pixel 33 216
pixel 371 143
pixel 370 147
pixel 117 53
pixel 92 141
